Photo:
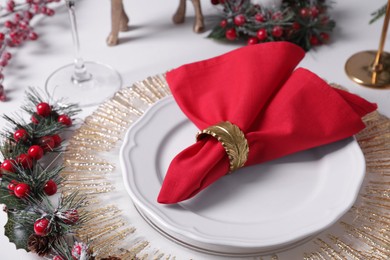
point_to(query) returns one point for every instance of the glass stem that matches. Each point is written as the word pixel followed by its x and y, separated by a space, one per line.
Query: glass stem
pixel 80 73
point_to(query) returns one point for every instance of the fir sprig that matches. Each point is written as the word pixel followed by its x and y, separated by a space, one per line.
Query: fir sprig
pixel 378 14
pixel 303 22
pixel 22 168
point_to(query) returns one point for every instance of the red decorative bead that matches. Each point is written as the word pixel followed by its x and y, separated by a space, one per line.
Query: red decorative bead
pixel 314 11
pixel 7 55
pixel 33 36
pixel 8 166
pixel 20 135
pixel 34 120
pixel 28 15
pixel 47 143
pixel 239 20
pixel 253 41
pixel 22 190
pixel 25 161
pixel 71 216
pixel 314 40
pixel 35 152
pixel 50 187
pixel 65 120
pixel 49 12
pixel 231 34
pixel 277 31
pixel 8 24
pixel 41 227
pixel 277 16
pixel 43 109
pixel 57 140
pixel 11 187
pixel 304 12
pixel 296 26
pixel 262 34
pixel 259 18
pixel 223 23
pixel 324 36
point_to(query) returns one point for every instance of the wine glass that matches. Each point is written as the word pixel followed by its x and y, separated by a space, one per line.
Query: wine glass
pixel 86 83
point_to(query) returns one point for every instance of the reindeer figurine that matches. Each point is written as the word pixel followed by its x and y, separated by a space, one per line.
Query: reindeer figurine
pixel 119 19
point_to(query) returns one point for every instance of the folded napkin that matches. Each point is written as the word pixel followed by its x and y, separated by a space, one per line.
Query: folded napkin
pixel 280 109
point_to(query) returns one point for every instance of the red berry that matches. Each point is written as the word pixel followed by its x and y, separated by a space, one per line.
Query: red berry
pixel 65 120
pixel 11 187
pixel 239 20
pixel 324 36
pixel 43 109
pixel 262 34
pixel 314 11
pixel 277 31
pixel 214 2
pixel 50 187
pixel 20 135
pixel 2 36
pixel 33 36
pixel 277 16
pixel 314 40
pixel 259 18
pixel 57 257
pixel 28 15
pixel 34 120
pixel 8 166
pixel 231 34
pixel 8 24
pixel 25 161
pixel 50 12
pixel 22 190
pixel 47 143
pixel 7 55
pixel 223 23
pixel 41 226
pixel 304 12
pixel 71 216
pixel 35 152
pixel 252 41
pixel 296 26
pixel 57 140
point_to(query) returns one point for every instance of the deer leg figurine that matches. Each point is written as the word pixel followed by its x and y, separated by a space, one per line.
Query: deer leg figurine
pixel 119 21
pixel 179 16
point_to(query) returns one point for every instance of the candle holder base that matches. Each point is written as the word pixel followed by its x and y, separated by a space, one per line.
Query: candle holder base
pixel 359 68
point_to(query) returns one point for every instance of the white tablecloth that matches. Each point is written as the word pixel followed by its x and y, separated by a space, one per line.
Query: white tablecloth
pixel 153 45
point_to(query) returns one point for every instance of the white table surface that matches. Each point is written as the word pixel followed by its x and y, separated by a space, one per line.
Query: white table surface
pixel 153 45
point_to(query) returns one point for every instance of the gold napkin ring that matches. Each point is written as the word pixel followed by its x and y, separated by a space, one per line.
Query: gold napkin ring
pixel 233 141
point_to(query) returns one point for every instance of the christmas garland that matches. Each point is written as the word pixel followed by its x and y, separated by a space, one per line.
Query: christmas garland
pixel 30 177
pixel 303 22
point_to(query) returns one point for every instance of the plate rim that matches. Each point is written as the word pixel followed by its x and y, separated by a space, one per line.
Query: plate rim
pixel 183 231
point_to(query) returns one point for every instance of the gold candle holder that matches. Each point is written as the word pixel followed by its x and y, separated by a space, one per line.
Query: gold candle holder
pixel 372 68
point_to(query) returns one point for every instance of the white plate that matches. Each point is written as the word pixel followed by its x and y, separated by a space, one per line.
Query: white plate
pixel 257 209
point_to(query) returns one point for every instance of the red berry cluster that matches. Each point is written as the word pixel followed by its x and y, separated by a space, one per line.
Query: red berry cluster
pixel 303 22
pixel 35 149
pixel 17 28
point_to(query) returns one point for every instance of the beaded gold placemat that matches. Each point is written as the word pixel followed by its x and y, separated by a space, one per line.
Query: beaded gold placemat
pixel 362 233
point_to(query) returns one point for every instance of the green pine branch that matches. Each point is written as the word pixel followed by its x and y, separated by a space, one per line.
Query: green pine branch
pixel 378 14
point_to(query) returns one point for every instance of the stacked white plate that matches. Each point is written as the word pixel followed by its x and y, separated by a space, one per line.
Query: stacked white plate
pixel 257 210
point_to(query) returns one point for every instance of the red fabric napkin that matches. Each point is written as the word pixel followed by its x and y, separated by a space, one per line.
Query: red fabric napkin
pixel 281 111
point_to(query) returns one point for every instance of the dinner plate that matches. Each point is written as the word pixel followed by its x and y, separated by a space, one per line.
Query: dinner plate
pixel 262 208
